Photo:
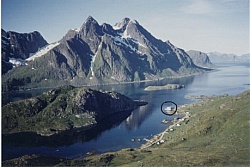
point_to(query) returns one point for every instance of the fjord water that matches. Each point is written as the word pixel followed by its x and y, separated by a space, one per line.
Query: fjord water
pixel 116 133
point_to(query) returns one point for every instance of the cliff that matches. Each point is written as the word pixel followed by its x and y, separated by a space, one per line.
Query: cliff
pixel 16 47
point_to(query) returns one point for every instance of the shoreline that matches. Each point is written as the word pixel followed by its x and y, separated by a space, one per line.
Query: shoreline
pixel 163 142
pixel 157 139
pixel 129 82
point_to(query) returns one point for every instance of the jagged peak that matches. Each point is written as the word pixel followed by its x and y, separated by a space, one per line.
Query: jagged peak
pixel 122 25
pixel 126 20
pixel 134 21
pixel 90 19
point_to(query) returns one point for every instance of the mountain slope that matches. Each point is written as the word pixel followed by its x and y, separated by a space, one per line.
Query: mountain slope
pixel 200 59
pixel 97 54
pixel 18 46
pixel 216 134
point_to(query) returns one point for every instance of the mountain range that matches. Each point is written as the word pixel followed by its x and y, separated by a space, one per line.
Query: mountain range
pixel 217 57
pixel 93 54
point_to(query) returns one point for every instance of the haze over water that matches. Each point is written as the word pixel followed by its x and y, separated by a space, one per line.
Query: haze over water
pixel 143 122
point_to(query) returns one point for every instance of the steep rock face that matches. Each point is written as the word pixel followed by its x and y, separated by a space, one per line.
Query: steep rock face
pixel 200 59
pixel 62 109
pixel 19 46
pixel 97 54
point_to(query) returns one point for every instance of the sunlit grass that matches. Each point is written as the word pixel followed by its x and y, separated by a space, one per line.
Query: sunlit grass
pixel 216 134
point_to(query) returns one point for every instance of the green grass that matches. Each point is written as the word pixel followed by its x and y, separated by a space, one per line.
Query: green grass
pixel 54 110
pixel 216 134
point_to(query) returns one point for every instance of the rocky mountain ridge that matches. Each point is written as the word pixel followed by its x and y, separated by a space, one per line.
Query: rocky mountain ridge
pixel 102 54
pixel 16 47
pixel 217 57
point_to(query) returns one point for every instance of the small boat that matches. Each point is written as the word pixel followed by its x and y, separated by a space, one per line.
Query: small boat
pixel 169 108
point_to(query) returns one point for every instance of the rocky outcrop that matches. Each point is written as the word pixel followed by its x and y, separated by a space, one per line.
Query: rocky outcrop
pixel 16 47
pixel 21 45
pixel 63 109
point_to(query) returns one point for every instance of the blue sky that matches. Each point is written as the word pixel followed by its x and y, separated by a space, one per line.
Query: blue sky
pixel 205 25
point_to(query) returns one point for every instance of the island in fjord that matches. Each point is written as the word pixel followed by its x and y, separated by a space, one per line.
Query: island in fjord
pixel 168 86
pixel 63 109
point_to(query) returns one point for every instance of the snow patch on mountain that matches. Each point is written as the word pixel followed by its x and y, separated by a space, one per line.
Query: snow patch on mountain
pixel 75 29
pixel 125 33
pixel 42 51
pixel 92 65
pixel 17 62
pixel 121 41
pixel 117 27
pixel 93 60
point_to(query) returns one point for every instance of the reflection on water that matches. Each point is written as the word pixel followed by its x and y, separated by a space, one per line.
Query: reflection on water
pixel 130 89
pixel 116 132
pixel 30 139
pixel 136 118
pixel 80 135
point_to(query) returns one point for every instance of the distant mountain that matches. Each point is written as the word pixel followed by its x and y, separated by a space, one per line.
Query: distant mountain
pixel 101 54
pixel 18 46
pixel 200 59
pixel 244 58
pixel 217 57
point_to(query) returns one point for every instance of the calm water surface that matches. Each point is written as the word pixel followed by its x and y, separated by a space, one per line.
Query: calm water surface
pixel 144 122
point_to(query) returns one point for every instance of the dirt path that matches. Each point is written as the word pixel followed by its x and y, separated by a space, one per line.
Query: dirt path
pixel 156 139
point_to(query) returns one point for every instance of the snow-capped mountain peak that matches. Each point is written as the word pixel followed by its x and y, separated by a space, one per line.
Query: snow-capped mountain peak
pixel 123 24
pixel 102 54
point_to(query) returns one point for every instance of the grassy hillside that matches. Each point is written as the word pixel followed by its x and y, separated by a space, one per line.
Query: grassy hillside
pixel 217 133
pixel 63 109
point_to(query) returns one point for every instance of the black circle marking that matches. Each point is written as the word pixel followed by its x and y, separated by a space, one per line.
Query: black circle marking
pixel 172 113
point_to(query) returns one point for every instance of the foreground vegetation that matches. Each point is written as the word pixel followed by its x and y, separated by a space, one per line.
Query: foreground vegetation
pixel 63 109
pixel 215 134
